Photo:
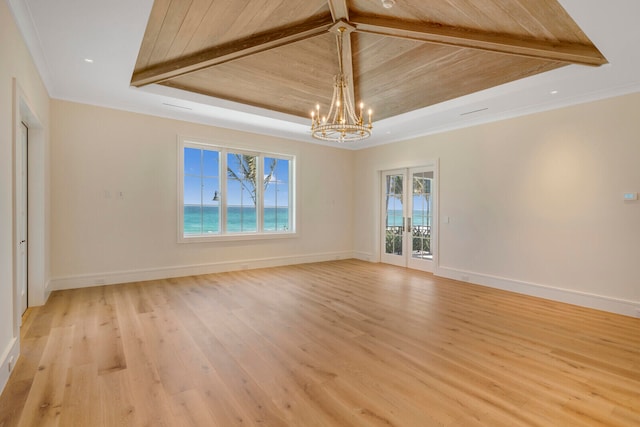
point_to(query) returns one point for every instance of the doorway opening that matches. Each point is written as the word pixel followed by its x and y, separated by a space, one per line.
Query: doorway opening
pixel 409 228
pixel 30 183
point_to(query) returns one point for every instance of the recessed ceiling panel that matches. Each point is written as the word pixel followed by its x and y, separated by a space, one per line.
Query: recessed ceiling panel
pixel 282 55
pixel 178 28
pixel 534 19
pixel 408 75
pixel 289 79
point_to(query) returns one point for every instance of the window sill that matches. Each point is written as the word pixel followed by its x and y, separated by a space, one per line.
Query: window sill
pixel 231 237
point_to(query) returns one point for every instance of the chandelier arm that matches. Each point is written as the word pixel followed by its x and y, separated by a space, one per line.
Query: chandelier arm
pixel 331 116
pixel 350 107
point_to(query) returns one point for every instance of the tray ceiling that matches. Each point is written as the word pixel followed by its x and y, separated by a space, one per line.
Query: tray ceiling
pixel 282 56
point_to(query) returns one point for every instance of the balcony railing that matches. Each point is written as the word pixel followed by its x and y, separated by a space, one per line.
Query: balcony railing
pixel 420 236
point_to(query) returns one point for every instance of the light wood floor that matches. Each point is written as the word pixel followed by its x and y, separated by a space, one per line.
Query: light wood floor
pixel 345 343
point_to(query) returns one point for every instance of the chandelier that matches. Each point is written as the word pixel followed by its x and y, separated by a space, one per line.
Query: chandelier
pixel 342 124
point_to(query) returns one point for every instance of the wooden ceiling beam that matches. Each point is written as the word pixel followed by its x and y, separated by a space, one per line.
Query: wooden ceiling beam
pixel 339 10
pixel 232 51
pixel 562 52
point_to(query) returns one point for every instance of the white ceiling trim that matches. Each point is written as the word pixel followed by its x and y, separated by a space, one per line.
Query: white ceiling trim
pixel 22 16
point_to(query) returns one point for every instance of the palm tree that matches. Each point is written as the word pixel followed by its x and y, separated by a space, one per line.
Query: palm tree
pixel 394 189
pixel 247 172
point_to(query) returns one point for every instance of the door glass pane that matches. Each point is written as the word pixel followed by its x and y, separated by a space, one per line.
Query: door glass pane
pixel 421 215
pixel 394 214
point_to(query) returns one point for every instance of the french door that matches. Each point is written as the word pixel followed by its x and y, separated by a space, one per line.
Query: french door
pixel 408 228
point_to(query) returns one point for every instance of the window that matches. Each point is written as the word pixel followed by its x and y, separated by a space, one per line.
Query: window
pixel 231 193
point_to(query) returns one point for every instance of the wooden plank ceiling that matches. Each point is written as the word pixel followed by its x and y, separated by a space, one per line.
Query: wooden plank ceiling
pixel 282 54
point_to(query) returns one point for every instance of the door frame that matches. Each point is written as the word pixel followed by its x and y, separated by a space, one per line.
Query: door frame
pixel 37 200
pixel 435 233
pixel 22 217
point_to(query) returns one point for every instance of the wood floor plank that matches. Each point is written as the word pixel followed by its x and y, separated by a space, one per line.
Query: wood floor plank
pixel 45 400
pixel 225 352
pixel 150 401
pixel 117 405
pixel 212 390
pixel 81 399
pixel 191 410
pixel 108 350
pixel 343 343
pixel 276 376
pixel 243 405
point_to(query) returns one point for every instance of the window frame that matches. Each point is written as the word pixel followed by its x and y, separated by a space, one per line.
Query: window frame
pixel 223 234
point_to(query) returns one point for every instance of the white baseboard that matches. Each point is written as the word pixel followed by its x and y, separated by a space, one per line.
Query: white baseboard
pixel 363 256
pixel 47 290
pixel 9 357
pixel 598 302
pixel 112 278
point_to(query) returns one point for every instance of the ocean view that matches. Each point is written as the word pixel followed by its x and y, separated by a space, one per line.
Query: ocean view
pixel 203 220
pixel 394 218
pixel 206 220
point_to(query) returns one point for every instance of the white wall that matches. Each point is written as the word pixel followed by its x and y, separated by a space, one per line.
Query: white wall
pixel 535 203
pixel 96 239
pixel 15 62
